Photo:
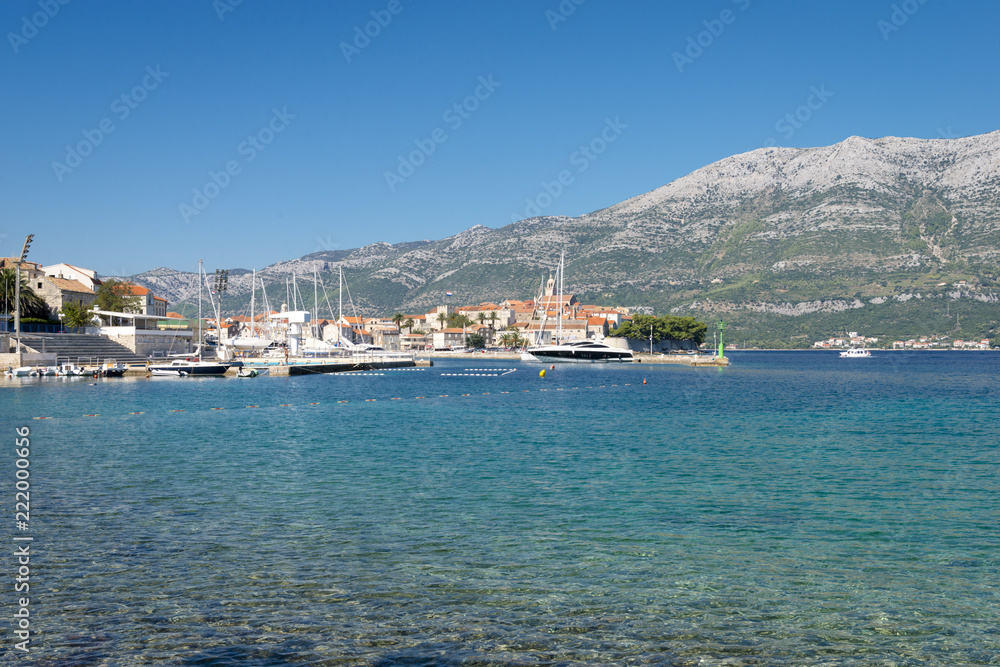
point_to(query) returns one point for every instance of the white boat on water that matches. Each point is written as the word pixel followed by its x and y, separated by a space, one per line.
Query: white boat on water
pixel 71 370
pixel 578 351
pixel 856 353
pixel 22 372
pixel 186 367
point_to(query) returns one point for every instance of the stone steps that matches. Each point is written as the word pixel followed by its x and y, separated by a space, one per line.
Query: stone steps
pixel 82 349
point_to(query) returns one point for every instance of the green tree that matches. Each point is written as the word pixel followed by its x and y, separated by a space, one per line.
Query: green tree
pixel 32 305
pixel 116 295
pixel 475 340
pixel 398 318
pixel 442 319
pixel 493 320
pixel 458 321
pixel 667 327
pixel 77 315
pixel 409 324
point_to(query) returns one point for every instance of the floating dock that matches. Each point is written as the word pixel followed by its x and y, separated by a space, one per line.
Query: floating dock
pixel 308 366
pixel 324 366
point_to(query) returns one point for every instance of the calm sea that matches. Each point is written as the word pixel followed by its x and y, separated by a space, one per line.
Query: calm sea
pixel 794 509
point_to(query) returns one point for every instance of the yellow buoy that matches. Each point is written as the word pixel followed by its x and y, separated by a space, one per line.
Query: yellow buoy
pixel 541 373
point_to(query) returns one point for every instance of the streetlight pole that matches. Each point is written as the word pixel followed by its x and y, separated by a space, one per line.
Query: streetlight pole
pixel 17 291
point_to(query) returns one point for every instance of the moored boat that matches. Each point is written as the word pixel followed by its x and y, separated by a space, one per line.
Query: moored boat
pixel 186 367
pixel 579 351
pixel 112 369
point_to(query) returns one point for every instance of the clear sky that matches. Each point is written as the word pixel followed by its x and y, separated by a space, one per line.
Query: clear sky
pixel 138 134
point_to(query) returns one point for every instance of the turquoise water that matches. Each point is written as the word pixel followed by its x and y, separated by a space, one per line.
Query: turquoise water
pixel 794 509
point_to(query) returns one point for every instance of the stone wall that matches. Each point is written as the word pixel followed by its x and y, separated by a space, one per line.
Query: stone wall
pixel 27 359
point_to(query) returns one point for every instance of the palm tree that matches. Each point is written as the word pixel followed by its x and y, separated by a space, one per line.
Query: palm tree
pixel 397 318
pixel 409 324
pixel 442 318
pixel 32 305
pixel 481 317
pixel 493 320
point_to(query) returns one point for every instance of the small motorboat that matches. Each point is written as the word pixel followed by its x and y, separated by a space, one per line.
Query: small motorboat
pixel 856 353
pixel 112 369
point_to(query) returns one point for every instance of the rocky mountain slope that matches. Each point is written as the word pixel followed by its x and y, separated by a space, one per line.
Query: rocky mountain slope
pixel 787 231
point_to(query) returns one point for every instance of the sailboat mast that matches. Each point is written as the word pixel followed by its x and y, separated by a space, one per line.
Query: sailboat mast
pixel 201 324
pixel 340 301
pixel 253 295
pixel 559 306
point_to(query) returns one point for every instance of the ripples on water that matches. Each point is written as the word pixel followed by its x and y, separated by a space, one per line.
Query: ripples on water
pixel 794 509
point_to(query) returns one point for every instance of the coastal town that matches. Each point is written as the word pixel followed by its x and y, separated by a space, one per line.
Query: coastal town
pixel 139 324
pixel 934 342
pixel 146 328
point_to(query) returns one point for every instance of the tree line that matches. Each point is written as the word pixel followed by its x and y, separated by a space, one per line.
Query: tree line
pixel 665 327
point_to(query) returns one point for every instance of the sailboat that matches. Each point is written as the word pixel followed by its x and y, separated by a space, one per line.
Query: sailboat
pixel 251 341
pixel 574 351
pixel 192 365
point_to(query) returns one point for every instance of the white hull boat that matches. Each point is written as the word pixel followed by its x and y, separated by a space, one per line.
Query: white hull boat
pixel 578 351
pixel 188 367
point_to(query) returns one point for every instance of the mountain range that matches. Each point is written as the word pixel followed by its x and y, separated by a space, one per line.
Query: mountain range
pixel 899 235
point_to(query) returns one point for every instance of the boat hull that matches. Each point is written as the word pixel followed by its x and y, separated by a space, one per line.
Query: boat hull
pixel 578 356
pixel 196 369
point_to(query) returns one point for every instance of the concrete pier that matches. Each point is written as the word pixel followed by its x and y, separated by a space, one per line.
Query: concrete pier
pixel 322 366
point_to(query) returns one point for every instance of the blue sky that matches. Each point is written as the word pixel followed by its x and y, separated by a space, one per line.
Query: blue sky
pixel 145 134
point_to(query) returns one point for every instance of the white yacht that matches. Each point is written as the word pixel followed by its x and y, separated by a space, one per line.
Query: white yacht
pixel 580 351
pixel 856 353
pixel 185 367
